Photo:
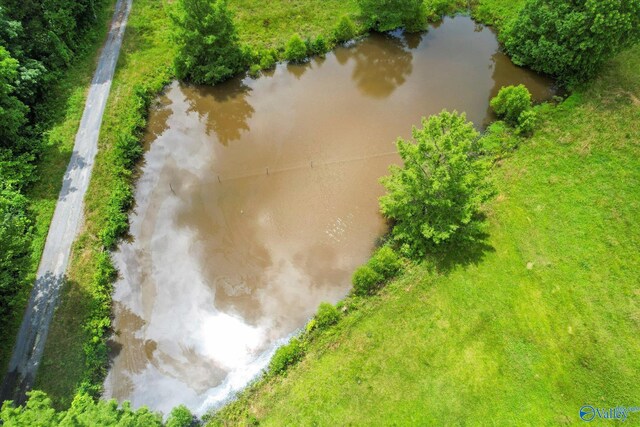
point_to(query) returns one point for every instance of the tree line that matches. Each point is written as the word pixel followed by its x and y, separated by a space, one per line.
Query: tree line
pixel 38 42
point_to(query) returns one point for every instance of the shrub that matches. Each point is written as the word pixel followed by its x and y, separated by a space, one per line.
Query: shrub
pixel 365 279
pixel 571 39
pixel 435 9
pixel 385 262
pixel 437 194
pixel 527 122
pixel 345 30
pixel 391 14
pixel 319 46
pixel 286 356
pixel 268 59
pixel 180 416
pixel 296 49
pixel 511 102
pixel 327 315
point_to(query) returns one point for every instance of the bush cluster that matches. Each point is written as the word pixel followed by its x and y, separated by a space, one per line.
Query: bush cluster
pixel 391 14
pixel 513 104
pixel 385 264
pixel 287 355
pixel 345 30
pixel 327 315
pixel 86 411
pixel 296 49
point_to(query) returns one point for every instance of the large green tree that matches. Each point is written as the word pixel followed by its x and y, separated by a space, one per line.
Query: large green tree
pixel 208 42
pixel 15 247
pixel 571 39
pixel 12 110
pixel 438 192
pixel 384 15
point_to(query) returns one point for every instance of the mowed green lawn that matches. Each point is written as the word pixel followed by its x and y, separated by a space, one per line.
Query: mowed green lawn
pixel 545 320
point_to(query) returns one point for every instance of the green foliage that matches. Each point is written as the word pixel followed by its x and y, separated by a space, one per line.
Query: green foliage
pixel 44 37
pixel 527 122
pixel 511 102
pixel 268 59
pixel 208 49
pixel 319 46
pixel 345 30
pixel 386 262
pixel 390 14
pixel 571 40
pixel 180 416
pixel 84 411
pixel 97 327
pixel 365 280
pixel 496 12
pixel 286 356
pixel 15 248
pixel 326 316
pixel 296 49
pixel 12 111
pixel 436 9
pixel 497 140
pixel 437 195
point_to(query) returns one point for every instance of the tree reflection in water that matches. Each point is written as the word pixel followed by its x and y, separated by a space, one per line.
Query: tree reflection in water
pixel 380 68
pixel 226 109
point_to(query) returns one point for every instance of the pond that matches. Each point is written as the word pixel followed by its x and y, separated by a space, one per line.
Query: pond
pixel 257 199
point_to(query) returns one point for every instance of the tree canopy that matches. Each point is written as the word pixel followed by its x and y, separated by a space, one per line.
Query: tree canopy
pixel 38 40
pixel 571 39
pixel 86 411
pixel 437 194
pixel 208 42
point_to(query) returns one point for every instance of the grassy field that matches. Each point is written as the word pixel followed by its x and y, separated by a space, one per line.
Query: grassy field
pixel 63 110
pixel 543 319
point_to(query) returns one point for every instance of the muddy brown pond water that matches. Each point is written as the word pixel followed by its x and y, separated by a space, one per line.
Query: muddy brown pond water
pixel 258 198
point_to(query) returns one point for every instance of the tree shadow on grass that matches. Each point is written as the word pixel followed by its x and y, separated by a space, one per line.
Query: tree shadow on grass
pixel 468 250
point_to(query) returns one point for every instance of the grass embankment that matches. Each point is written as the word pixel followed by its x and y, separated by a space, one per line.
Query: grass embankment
pixel 542 320
pixel 59 116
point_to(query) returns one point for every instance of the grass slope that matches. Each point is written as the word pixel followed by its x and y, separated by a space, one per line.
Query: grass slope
pixel 544 320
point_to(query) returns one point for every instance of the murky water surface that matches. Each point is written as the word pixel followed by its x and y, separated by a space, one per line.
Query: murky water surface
pixel 258 199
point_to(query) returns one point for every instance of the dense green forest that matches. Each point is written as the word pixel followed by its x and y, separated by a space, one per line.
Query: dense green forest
pixel 38 42
pixel 474 337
